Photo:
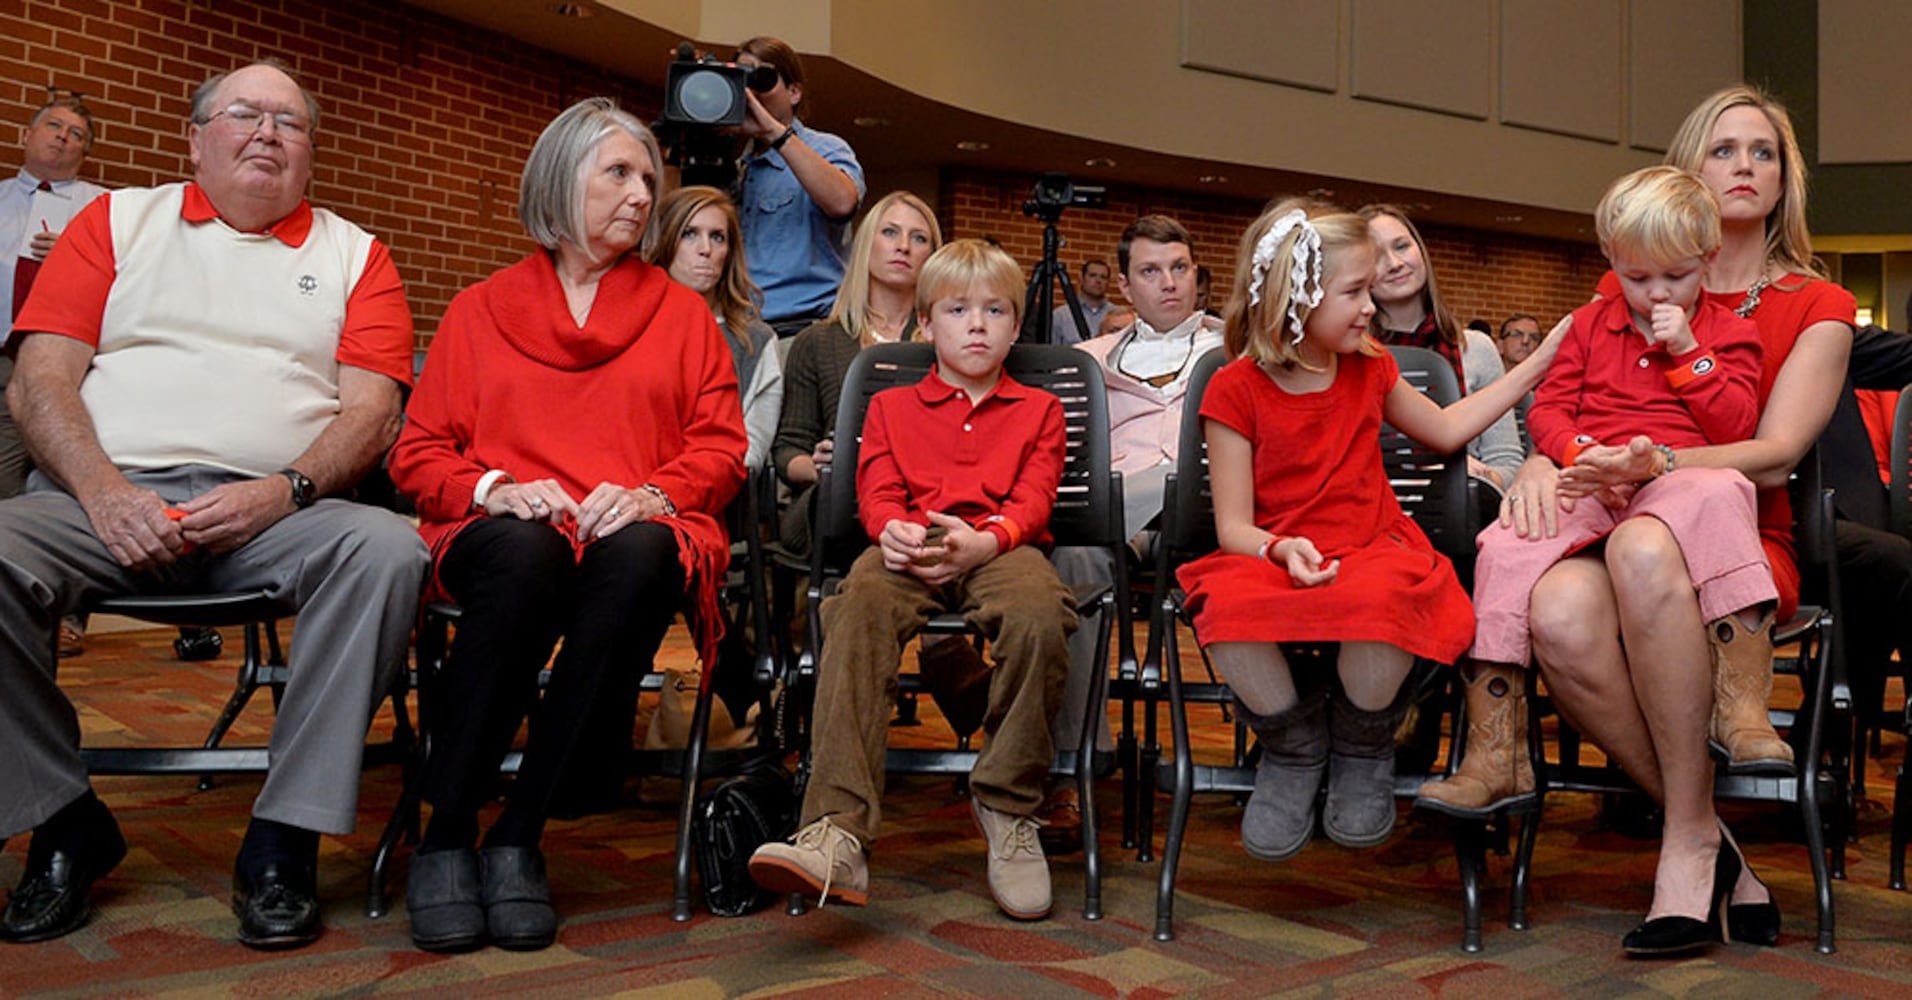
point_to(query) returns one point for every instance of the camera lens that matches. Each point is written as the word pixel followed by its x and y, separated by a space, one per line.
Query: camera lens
pixel 704 96
pixel 762 79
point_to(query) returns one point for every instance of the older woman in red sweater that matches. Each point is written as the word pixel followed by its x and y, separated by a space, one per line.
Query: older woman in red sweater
pixel 571 445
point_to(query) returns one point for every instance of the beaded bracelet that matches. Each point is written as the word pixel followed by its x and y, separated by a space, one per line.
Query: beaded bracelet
pixel 670 509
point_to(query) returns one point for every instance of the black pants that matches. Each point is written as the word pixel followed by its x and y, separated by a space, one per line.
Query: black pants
pixel 1875 582
pixel 521 588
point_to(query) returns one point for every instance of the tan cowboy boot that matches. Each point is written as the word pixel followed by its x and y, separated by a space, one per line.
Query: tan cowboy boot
pixel 1496 772
pixel 1742 687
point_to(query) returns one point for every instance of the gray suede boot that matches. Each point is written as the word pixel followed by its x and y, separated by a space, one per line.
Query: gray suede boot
pixel 1280 817
pixel 1360 810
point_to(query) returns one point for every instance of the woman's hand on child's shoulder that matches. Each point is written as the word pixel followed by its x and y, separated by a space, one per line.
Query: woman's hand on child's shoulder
pixel 1304 563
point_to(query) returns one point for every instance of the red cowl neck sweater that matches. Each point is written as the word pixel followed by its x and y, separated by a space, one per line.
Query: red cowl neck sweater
pixel 644 393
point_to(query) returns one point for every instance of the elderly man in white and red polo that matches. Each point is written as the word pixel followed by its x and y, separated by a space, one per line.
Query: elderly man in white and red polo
pixel 201 367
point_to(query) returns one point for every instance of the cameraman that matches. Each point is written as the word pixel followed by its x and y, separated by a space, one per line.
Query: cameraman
pixel 799 189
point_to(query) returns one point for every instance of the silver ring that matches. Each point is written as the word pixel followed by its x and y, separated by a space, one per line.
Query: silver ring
pixel 537 502
pixel 614 513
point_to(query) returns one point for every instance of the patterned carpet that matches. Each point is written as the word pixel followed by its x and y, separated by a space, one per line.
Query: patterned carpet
pixel 1384 922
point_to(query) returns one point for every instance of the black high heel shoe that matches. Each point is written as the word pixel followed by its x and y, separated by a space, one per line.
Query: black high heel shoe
pixel 1664 936
pixel 1752 923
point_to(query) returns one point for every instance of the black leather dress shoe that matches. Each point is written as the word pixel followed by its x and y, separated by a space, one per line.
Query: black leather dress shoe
pixel 278 910
pixel 52 899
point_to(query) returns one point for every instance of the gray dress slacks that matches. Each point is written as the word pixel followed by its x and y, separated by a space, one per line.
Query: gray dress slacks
pixel 351 573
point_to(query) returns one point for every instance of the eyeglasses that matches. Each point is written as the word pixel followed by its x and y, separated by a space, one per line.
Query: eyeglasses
pixel 1531 338
pixel 248 119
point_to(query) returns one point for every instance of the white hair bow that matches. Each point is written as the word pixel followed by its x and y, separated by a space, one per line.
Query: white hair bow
pixel 1304 275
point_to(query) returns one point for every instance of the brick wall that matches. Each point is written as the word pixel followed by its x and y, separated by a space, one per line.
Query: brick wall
pixel 425 121
pixel 1488 275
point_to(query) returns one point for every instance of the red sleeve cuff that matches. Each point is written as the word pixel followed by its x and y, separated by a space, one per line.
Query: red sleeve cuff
pixel 1008 533
pixel 1692 371
pixel 1580 443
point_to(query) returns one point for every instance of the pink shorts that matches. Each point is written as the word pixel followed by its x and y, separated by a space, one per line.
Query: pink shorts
pixel 1711 513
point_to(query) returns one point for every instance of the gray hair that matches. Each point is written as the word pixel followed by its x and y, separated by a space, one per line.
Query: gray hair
pixel 551 192
pixel 202 94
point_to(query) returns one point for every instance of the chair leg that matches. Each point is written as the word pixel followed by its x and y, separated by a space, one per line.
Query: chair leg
pixel 687 808
pixel 405 819
pixel 242 690
pixel 1517 890
pixel 1470 851
pixel 1148 758
pixel 1809 817
pixel 1127 756
pixel 1085 769
pixel 1178 809
pixel 1901 819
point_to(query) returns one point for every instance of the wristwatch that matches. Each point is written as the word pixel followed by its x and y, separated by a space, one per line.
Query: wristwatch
pixel 303 492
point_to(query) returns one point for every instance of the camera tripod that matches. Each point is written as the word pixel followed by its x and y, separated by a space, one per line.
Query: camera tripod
pixel 1038 304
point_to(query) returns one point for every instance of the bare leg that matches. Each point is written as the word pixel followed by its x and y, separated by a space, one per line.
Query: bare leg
pixel 1576 626
pixel 1660 621
pixel 1576 629
pixel 1258 673
pixel 1372 672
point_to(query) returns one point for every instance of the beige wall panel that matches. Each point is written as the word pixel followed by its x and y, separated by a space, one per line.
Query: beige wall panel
pixel 1430 54
pixel 1000 58
pixel 1865 93
pixel 1560 66
pixel 1677 53
pixel 805 24
pixel 1296 42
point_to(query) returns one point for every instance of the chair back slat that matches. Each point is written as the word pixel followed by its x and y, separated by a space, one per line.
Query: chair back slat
pixel 1188 507
pixel 1431 487
pixel 1085 496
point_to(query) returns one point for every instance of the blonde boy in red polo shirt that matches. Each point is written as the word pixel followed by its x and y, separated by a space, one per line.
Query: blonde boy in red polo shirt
pixel 973 455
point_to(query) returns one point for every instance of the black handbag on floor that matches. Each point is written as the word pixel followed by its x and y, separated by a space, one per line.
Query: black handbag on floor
pixel 737 817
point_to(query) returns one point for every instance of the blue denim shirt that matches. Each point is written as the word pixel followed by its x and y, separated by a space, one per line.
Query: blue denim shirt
pixel 794 252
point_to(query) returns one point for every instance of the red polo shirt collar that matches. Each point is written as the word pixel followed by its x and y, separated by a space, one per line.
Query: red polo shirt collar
pixel 933 390
pixel 291 230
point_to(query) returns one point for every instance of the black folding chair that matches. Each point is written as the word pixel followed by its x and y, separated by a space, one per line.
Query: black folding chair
pixel 1087 512
pixel 1430 487
pixel 264 665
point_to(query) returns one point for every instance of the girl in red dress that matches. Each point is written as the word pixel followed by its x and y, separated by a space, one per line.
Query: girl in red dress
pixel 1314 547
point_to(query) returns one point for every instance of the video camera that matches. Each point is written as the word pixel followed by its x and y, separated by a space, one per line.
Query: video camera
pixel 702 91
pixel 1055 192
pixel 703 103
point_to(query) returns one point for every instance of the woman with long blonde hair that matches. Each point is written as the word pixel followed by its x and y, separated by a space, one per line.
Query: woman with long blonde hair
pixel 1597 615
pixel 876 304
